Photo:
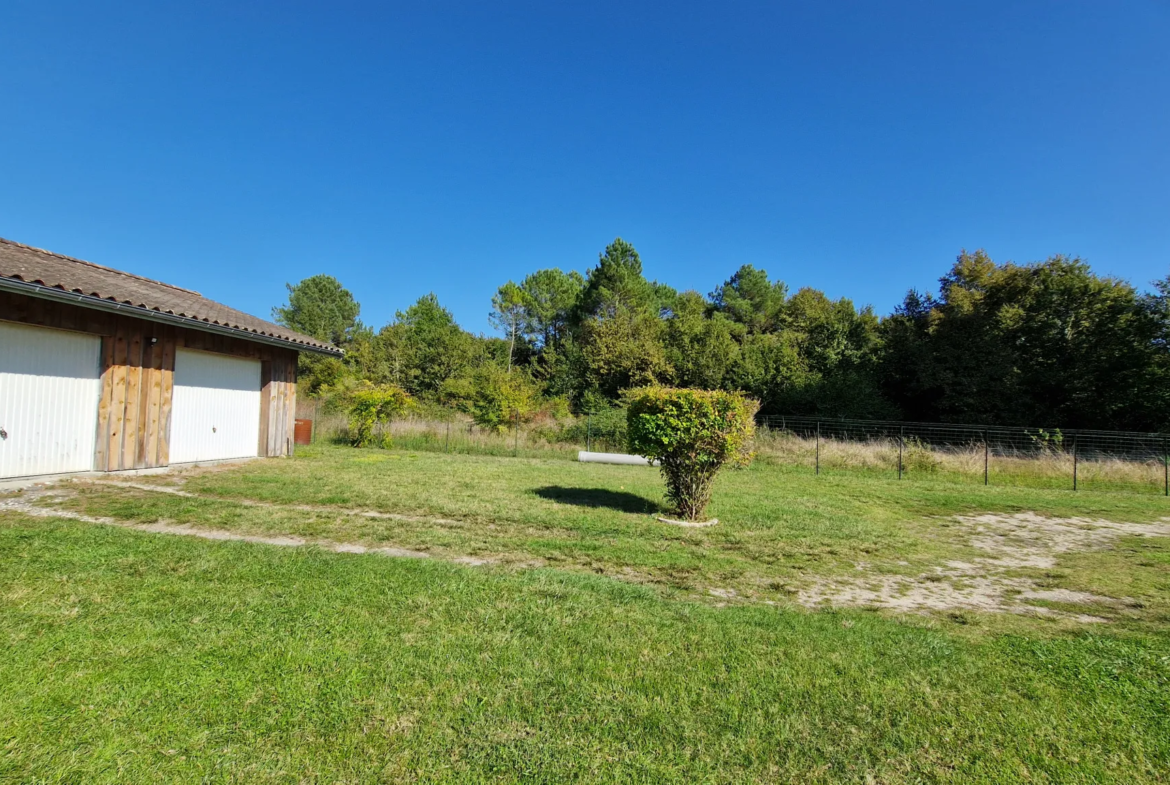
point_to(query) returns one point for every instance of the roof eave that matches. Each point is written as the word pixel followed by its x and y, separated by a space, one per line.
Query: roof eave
pixel 97 303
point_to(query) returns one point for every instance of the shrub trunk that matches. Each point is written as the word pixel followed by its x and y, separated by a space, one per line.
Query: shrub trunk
pixel 688 488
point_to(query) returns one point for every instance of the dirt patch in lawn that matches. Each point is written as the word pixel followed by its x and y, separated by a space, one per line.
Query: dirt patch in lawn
pixel 986 583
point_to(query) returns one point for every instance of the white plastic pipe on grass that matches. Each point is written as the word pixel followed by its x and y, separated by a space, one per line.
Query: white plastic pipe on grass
pixel 613 457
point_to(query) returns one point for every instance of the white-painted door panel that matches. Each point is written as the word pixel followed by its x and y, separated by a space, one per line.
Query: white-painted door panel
pixel 50 382
pixel 215 410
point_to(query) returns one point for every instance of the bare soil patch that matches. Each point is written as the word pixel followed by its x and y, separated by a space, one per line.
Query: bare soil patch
pixel 1011 542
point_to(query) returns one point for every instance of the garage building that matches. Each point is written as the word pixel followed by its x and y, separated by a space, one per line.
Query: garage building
pixel 104 370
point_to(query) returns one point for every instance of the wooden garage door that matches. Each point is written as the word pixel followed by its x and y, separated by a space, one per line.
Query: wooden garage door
pixel 50 382
pixel 215 413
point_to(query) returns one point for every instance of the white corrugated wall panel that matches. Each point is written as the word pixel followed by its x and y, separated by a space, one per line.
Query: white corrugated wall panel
pixel 215 411
pixel 50 383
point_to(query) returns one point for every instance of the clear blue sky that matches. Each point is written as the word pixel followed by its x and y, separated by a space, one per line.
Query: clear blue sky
pixel 855 147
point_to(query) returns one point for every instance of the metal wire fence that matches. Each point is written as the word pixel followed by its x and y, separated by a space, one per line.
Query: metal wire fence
pixel 984 454
pixel 989 454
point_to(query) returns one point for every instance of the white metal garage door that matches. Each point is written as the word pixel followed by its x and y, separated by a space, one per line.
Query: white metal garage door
pixel 50 382
pixel 215 411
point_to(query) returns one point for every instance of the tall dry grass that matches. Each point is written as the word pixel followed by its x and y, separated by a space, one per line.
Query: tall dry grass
pixel 457 435
pixel 778 447
pixel 1043 467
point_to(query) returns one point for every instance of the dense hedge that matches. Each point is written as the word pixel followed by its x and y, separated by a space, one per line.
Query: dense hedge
pixel 692 434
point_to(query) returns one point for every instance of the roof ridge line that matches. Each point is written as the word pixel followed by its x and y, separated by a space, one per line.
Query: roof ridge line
pixel 98 266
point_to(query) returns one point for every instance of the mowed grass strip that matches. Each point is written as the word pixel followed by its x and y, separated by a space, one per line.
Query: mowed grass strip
pixel 533 489
pixel 131 657
pixel 780 529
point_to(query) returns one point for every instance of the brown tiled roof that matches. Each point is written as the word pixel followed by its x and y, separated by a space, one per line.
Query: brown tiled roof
pixel 33 265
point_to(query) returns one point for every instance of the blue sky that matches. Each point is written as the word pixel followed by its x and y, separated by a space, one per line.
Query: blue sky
pixel 447 147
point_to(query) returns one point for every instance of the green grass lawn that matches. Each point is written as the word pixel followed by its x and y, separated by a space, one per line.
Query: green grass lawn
pixel 138 657
pixel 780 527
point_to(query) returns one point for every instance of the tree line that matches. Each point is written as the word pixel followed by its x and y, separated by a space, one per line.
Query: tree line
pixel 1045 343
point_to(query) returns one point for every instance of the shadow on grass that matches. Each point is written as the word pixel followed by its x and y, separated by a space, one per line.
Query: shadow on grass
pixel 598 497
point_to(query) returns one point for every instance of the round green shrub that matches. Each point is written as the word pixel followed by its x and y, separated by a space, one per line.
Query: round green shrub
pixel 692 434
pixel 371 406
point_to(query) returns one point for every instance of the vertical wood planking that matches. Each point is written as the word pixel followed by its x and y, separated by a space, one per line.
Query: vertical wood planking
pixel 278 410
pixel 265 407
pixel 17 309
pixel 130 430
pixel 117 400
pixel 290 406
pixel 289 409
pixel 166 393
pixel 67 319
pixel 142 402
pixel 274 410
pixel 102 451
pixel 146 455
pixel 35 313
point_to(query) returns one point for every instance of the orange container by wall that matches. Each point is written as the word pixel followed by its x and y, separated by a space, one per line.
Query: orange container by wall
pixel 303 432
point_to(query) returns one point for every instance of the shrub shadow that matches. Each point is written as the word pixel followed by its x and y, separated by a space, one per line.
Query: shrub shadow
pixel 599 497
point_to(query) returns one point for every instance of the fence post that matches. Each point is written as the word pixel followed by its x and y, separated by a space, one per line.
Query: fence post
pixel 588 432
pixel 447 444
pixel 1165 467
pixel 1074 461
pixel 516 437
pixel 901 446
pixel 818 446
pixel 986 455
